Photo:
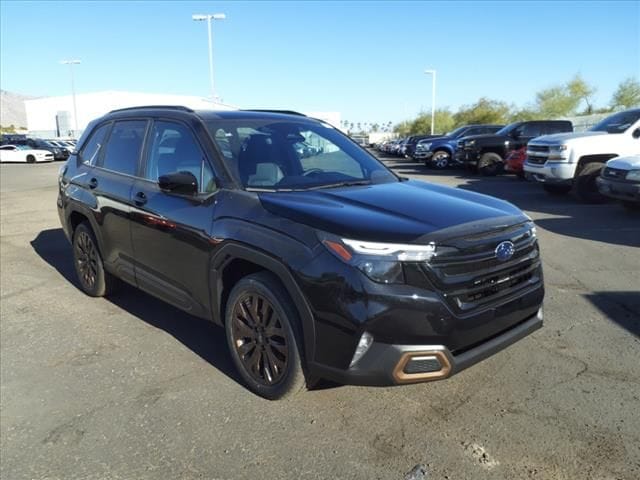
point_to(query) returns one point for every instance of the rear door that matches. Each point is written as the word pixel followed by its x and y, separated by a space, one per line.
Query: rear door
pixel 111 182
pixel 170 232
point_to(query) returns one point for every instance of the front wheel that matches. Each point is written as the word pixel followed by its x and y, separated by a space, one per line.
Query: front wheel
pixel 585 185
pixel 440 159
pixel 262 329
pixel 490 164
pixel 31 159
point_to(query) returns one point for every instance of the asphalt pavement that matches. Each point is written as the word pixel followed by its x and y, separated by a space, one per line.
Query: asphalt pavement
pixel 131 388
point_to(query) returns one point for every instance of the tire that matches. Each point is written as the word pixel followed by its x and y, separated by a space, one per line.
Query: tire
pixel 585 186
pixel 31 159
pixel 262 328
pixel 556 189
pixel 94 280
pixel 440 159
pixel 490 164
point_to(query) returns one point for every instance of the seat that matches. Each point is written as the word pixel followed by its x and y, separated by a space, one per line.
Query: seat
pixel 257 162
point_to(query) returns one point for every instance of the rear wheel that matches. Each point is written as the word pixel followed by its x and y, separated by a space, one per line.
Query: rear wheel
pixel 585 185
pixel 556 189
pixel 440 159
pixel 31 159
pixel 490 164
pixel 94 280
pixel 262 329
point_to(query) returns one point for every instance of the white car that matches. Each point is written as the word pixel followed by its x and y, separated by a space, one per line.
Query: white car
pixel 23 153
pixel 620 179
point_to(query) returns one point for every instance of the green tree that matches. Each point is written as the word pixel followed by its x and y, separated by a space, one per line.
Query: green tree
pixel 627 94
pixel 556 102
pixel 580 89
pixel 524 114
pixel 375 127
pixel 484 110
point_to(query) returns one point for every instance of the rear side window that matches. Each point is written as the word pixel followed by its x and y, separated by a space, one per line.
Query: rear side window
pixel 124 145
pixel 557 128
pixel 531 130
pixel 92 148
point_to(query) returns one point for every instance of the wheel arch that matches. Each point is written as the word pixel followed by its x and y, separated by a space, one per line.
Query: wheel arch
pixel 234 261
pixel 599 158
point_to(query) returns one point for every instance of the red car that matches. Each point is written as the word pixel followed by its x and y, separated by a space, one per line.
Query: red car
pixel 515 161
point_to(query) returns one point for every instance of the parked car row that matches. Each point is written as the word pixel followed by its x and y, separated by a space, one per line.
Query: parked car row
pixel 26 149
pixel 546 151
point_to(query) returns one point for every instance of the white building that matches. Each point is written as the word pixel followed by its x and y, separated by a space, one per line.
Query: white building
pixel 51 117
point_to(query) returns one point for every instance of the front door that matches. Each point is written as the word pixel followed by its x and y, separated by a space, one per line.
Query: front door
pixel 170 232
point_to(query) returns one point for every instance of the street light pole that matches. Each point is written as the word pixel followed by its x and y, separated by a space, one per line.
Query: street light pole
pixel 433 98
pixel 208 18
pixel 71 63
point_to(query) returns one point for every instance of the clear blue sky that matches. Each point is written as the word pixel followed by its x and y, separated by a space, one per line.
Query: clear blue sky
pixel 364 59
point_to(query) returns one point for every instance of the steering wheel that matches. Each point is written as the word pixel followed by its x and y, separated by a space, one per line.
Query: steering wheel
pixel 313 170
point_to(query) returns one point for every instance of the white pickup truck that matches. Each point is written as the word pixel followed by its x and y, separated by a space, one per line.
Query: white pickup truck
pixel 566 161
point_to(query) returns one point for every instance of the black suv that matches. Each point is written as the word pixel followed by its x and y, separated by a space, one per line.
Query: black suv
pixel 59 153
pixel 487 153
pixel 325 265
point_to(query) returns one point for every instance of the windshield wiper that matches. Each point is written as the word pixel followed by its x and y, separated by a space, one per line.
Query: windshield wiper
pixel 351 183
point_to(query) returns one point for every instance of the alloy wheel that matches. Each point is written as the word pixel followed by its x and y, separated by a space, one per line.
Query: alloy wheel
pixel 87 260
pixel 441 160
pixel 259 339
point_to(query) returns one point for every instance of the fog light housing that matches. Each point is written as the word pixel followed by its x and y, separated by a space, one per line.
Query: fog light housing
pixel 366 340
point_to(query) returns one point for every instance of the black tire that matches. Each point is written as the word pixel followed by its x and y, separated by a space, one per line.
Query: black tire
pixel 440 159
pixel 490 164
pixel 585 186
pixel 556 189
pixel 263 333
pixel 31 159
pixel 94 280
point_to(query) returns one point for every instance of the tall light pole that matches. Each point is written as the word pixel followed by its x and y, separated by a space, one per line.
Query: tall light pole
pixel 208 17
pixel 433 98
pixel 71 63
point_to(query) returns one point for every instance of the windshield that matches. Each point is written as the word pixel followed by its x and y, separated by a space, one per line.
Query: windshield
pixel 617 123
pixel 265 154
pixel 507 130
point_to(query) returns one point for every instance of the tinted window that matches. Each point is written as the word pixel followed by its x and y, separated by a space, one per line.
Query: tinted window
pixel 123 147
pixel 617 123
pixel 92 148
pixel 530 130
pixel 174 148
pixel 277 154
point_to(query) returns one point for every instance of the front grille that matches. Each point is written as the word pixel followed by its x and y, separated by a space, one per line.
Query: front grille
pixel 615 173
pixel 473 278
pixel 538 148
pixel 536 160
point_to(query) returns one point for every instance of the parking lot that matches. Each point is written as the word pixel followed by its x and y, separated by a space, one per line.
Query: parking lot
pixel 129 387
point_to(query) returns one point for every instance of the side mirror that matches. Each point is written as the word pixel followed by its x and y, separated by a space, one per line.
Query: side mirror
pixel 183 183
pixel 636 133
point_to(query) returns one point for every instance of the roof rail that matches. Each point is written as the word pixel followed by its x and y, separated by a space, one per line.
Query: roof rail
pixel 286 112
pixel 147 107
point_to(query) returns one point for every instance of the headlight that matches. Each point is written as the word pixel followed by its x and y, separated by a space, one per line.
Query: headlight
pixel 557 152
pixel 381 262
pixel 469 143
pixel 633 175
pixel 426 146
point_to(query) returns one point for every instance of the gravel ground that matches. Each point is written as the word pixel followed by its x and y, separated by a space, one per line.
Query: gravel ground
pixel 129 387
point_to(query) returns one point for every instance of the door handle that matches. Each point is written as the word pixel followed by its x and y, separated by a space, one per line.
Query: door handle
pixel 140 198
pixel 93 183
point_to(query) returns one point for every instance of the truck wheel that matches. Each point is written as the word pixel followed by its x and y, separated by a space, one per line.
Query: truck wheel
pixel 490 164
pixel 556 189
pixel 585 183
pixel 94 280
pixel 440 159
pixel 262 329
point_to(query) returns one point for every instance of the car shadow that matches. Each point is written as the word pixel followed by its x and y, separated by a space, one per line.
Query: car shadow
pixel 622 308
pixel 202 337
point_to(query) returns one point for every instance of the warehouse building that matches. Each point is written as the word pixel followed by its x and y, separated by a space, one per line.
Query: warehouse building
pixel 53 117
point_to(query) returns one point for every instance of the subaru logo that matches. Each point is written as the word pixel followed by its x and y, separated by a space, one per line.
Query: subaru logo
pixel 505 250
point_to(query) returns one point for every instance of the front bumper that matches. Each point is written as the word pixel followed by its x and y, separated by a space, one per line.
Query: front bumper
pixel 626 191
pixel 387 364
pixel 550 172
pixel 421 155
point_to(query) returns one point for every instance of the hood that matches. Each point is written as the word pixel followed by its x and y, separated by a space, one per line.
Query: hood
pixel 631 162
pixel 410 211
pixel 558 138
pixel 491 136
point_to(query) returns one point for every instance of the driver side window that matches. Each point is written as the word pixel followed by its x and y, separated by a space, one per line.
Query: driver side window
pixel 174 149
